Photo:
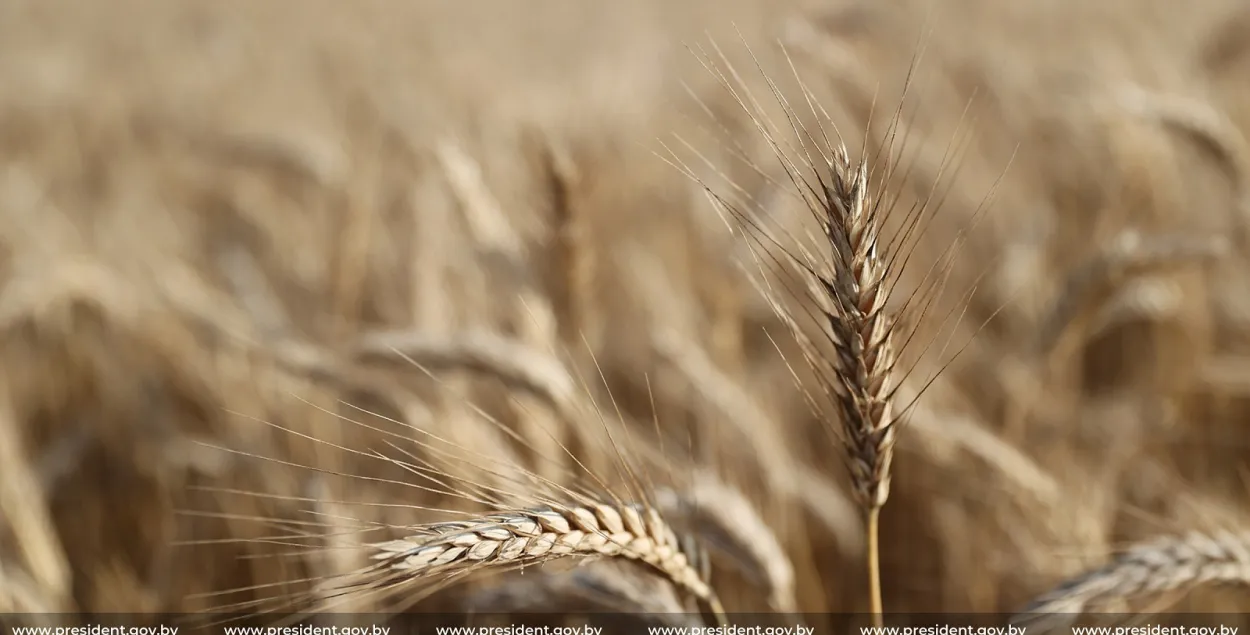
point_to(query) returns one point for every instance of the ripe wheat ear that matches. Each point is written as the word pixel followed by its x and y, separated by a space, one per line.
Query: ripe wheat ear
pixel 523 537
pixel 509 535
pixel 847 286
pixel 1149 569
pixel 861 333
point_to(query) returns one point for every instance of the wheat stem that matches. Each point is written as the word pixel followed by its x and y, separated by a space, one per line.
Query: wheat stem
pixel 874 566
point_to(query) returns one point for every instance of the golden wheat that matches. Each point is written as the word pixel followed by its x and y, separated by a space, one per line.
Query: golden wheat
pixel 530 537
pixel 405 215
pixel 1149 569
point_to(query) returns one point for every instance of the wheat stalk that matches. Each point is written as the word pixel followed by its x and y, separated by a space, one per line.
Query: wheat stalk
pixel 521 537
pixel 851 295
pixel 850 289
pixel 1201 121
pixel 1131 254
pixel 1149 569
pixel 854 296
pixel 532 315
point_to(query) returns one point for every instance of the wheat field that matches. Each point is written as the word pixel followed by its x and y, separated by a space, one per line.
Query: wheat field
pixel 411 293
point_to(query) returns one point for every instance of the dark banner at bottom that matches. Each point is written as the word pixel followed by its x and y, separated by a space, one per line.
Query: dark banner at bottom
pixel 625 624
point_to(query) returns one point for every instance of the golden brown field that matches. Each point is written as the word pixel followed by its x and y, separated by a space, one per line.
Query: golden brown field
pixel 280 279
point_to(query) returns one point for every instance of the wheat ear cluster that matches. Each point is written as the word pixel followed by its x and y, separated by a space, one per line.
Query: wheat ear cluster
pixel 860 330
pixel 518 538
pixel 1152 568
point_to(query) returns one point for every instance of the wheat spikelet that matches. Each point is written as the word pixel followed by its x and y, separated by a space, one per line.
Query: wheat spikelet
pixel 524 537
pixel 860 330
pixel 1152 568
pixel 572 251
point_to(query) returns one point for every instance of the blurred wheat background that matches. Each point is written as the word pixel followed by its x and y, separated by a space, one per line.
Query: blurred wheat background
pixel 220 221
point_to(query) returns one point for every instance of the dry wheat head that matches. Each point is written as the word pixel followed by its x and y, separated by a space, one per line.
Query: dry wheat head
pixel 860 329
pixel 1152 568
pixel 517 538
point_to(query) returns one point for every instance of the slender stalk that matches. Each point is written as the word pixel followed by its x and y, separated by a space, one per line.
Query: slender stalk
pixel 874 566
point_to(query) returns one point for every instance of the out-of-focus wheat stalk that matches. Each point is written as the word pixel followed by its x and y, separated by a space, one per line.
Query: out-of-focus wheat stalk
pixel 1211 128
pixel 531 312
pixel 26 535
pixel 1131 254
pixel 726 519
pixel 1148 569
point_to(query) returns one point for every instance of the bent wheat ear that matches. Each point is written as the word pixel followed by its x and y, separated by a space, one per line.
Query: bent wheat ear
pixel 522 537
pixel 1149 569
